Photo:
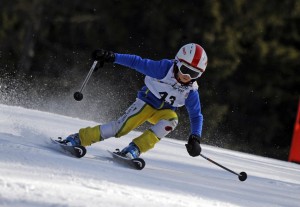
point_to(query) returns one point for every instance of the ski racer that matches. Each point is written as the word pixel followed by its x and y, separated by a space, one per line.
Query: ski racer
pixel 169 84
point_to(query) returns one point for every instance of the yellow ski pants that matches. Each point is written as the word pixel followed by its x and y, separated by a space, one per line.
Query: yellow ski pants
pixel 164 121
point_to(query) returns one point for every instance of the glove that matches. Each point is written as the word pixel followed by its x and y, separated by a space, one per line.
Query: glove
pixel 193 145
pixel 103 56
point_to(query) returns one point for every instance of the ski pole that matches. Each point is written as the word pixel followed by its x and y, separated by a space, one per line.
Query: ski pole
pixel 78 96
pixel 242 175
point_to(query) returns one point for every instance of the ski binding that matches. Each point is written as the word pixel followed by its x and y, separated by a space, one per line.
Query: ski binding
pixel 76 151
pixel 136 163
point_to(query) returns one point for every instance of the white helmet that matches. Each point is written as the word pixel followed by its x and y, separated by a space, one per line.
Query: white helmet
pixel 193 57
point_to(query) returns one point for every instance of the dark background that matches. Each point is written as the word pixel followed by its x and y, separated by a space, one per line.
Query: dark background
pixel 249 92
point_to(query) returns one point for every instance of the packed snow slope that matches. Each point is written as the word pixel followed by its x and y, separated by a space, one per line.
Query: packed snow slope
pixel 35 173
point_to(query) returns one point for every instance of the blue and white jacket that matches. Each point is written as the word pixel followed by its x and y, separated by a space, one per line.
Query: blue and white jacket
pixel 162 90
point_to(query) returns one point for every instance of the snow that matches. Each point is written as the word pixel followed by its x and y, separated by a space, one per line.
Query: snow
pixel 34 173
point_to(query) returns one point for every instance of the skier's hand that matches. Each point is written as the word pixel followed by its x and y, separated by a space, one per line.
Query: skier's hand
pixel 103 56
pixel 193 145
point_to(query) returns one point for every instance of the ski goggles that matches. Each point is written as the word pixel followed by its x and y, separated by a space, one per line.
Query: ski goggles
pixel 188 70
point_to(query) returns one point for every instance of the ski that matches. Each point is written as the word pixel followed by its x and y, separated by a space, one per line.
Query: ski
pixel 76 151
pixel 80 151
pixel 136 163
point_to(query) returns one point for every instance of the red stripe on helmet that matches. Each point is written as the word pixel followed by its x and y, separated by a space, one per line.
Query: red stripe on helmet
pixel 182 60
pixel 197 56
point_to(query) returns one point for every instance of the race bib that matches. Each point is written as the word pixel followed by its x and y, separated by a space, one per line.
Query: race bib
pixel 169 89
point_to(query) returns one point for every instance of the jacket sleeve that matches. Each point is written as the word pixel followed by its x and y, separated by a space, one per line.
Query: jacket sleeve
pixel 193 106
pixel 154 69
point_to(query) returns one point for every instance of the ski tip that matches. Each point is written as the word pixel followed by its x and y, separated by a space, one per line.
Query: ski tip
pixel 139 163
pixel 80 151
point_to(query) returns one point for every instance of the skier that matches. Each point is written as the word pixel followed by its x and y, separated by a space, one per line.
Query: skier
pixel 168 84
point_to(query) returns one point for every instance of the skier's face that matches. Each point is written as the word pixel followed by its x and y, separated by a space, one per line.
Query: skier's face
pixel 183 77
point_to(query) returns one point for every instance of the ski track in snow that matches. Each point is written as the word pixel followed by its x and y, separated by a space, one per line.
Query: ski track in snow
pixel 33 172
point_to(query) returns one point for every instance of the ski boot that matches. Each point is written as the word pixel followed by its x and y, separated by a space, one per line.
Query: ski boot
pixel 72 140
pixel 131 151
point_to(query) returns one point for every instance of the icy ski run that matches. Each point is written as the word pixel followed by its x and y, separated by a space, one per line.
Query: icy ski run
pixel 33 173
